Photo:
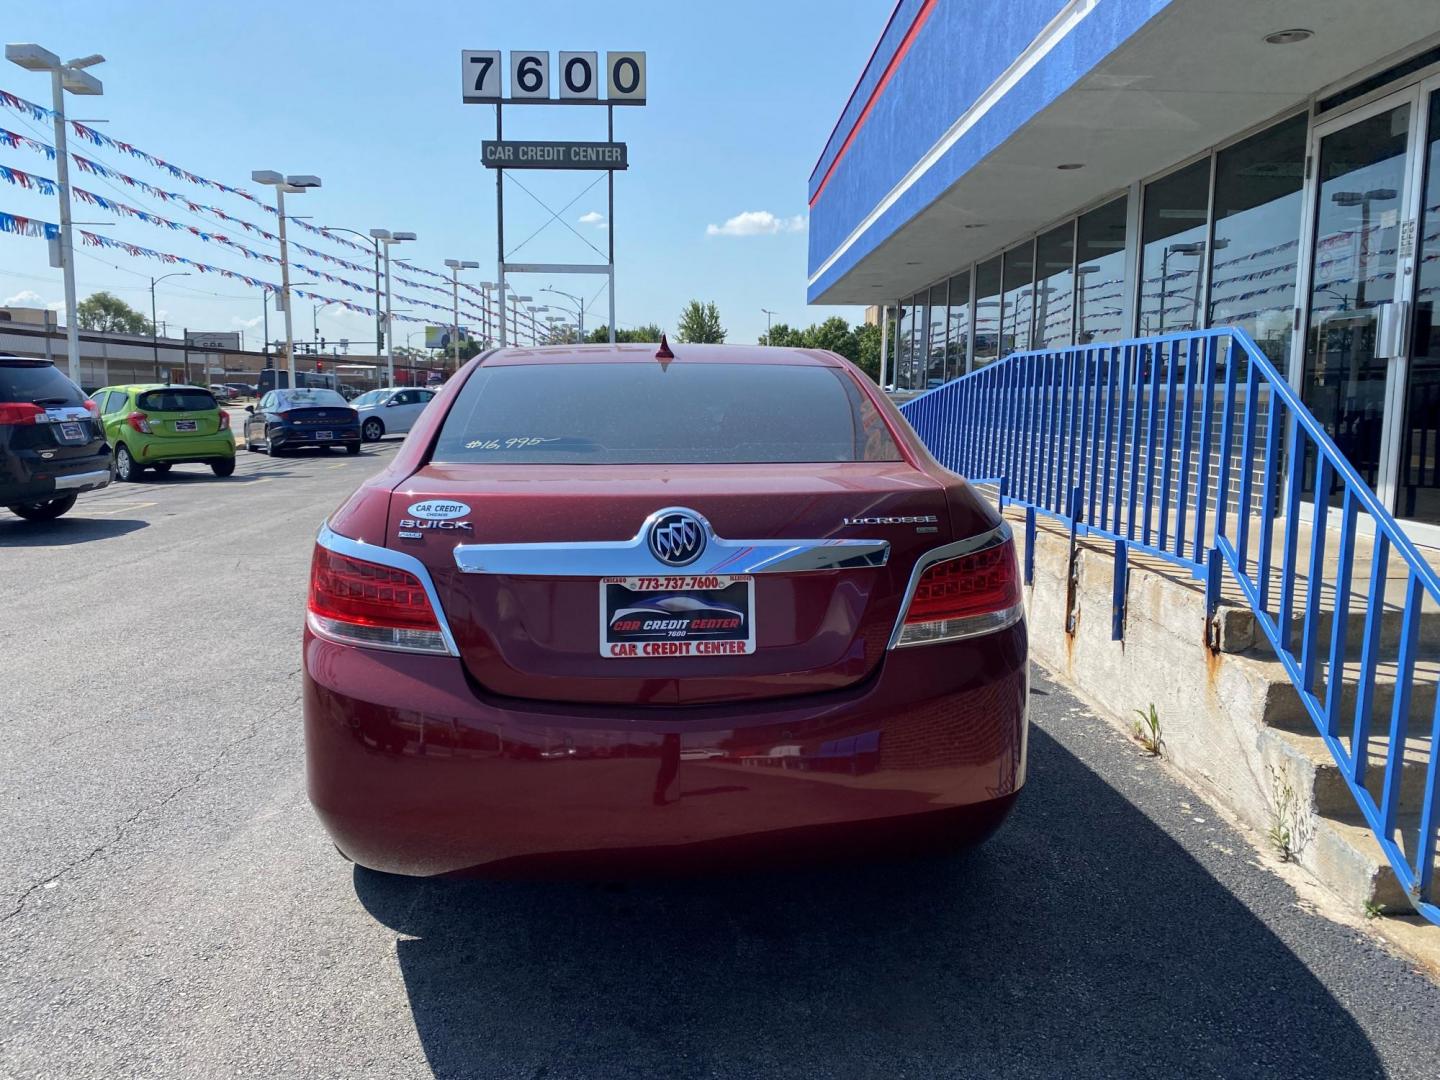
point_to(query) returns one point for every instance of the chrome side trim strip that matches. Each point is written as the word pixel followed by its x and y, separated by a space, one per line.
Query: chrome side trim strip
pixel 633 558
pixel 356 549
pixel 978 542
pixel 83 480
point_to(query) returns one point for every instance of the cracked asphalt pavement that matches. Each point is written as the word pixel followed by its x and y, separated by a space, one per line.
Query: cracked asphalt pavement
pixel 169 907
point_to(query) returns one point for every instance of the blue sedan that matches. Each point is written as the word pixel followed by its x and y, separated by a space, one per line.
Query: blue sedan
pixel 285 419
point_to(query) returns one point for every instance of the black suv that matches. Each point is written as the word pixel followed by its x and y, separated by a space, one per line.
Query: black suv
pixel 52 445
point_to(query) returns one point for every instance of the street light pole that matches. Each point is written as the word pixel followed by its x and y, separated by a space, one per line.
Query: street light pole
pixel 768 316
pixel 68 76
pixel 456 265
pixel 154 337
pixel 295 185
pixel 579 310
pixel 385 237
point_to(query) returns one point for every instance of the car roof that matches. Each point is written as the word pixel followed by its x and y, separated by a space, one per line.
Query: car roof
pixel 25 359
pixel 639 353
pixel 135 388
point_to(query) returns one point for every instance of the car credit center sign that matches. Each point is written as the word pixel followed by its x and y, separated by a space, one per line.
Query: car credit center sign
pixel 512 154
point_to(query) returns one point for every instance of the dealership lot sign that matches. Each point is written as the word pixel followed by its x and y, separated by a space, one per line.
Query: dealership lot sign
pixel 512 154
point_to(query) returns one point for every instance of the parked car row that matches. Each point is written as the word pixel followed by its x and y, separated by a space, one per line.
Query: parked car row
pixel 56 442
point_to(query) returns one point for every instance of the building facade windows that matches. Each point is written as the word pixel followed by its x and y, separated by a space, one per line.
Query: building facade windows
pixel 1055 287
pixel 957 346
pixel 1100 270
pixel 1174 218
pixel 1258 190
pixel 1019 298
pixel 987 312
pixel 935 368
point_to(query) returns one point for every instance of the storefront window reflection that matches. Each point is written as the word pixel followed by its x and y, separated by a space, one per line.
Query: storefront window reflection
pixel 1257 235
pixel 935 362
pixel 1019 299
pixel 1054 286
pixel 1100 267
pixel 1172 250
pixel 987 312
pixel 957 339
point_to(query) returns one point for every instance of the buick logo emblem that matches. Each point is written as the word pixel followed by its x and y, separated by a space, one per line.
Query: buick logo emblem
pixel 677 538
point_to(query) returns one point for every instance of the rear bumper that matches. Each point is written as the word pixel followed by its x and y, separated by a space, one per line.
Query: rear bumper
pixel 46 483
pixel 306 437
pixel 179 451
pixel 414 772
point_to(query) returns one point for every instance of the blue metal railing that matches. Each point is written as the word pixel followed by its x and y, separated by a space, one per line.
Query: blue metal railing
pixel 1194 448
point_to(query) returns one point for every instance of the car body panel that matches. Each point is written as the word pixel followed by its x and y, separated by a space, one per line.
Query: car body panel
pixel 64 453
pixel 177 436
pixel 396 407
pixel 433 764
pixel 276 423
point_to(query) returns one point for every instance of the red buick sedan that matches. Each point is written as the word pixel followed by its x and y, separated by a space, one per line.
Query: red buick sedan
pixel 614 607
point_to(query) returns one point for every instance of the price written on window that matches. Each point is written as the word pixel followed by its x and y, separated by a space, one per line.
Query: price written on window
pixel 519 442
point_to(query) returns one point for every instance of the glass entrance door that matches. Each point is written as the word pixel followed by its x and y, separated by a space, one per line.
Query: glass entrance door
pixel 1418 476
pixel 1361 164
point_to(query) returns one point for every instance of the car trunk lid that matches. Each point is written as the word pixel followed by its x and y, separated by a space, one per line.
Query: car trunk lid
pixel 539 635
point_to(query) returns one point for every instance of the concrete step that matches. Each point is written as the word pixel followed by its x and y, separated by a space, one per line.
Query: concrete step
pixel 1238 632
pixel 1331 794
pixel 1286 711
pixel 1351 857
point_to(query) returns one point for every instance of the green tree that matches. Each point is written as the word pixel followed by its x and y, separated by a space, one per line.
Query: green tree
pixel 636 334
pixel 833 334
pixel 700 324
pixel 106 311
pixel 867 349
pixel 785 335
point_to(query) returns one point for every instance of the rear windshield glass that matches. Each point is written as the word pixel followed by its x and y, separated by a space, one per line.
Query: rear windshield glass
pixel 39 383
pixel 309 398
pixel 371 397
pixel 176 399
pixel 687 413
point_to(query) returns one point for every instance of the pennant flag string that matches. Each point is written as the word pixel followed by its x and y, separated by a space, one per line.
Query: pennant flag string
pixel 14 140
pixel 28 180
pixel 24 226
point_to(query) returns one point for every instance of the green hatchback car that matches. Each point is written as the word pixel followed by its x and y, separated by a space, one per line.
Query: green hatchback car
pixel 153 426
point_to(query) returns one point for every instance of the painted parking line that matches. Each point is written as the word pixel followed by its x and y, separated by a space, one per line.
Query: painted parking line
pixel 125 508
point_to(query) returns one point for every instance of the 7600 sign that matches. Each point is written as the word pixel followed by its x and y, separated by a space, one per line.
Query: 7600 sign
pixel 578 75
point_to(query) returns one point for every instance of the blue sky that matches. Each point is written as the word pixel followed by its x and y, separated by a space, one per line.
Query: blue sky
pixel 366 95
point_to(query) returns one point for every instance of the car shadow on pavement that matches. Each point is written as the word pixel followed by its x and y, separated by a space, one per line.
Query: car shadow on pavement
pixel 1081 940
pixel 64 531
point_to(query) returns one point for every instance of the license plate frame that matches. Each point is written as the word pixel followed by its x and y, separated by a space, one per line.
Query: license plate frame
pixel 325 436
pixel 711 598
pixel 71 431
pixel 187 426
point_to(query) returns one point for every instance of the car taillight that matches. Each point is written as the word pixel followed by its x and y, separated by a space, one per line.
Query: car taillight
pixel 20 412
pixel 92 408
pixel 957 598
pixel 224 421
pixel 365 603
pixel 139 421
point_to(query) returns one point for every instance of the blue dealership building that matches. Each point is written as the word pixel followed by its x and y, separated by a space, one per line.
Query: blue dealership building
pixel 1011 175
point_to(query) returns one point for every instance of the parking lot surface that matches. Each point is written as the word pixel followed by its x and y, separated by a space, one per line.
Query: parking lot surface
pixel 171 907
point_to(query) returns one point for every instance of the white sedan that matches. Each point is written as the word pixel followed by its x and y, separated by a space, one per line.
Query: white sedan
pixel 391 410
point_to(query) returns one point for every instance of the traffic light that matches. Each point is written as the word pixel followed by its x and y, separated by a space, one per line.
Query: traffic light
pixel 319 365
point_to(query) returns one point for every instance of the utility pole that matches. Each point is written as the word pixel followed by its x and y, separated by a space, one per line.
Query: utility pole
pixel 768 316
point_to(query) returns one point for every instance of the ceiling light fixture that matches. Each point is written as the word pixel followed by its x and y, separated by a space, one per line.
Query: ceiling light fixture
pixel 1288 37
pixel 1069 165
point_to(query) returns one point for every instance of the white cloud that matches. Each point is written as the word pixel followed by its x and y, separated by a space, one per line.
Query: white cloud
pixel 593 217
pixel 246 324
pixel 24 298
pixel 757 223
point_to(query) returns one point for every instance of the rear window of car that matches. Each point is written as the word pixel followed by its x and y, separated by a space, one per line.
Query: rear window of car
pixel 37 383
pixel 686 413
pixel 309 398
pixel 175 399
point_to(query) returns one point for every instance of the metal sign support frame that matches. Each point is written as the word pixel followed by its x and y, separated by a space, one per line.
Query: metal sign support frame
pixel 607 268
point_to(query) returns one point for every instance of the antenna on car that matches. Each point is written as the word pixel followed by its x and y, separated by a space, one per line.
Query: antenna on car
pixel 663 352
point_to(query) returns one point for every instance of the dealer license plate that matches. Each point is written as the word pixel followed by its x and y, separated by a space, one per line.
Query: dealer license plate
pixel 72 433
pixel 185 425
pixel 324 436
pixel 677 615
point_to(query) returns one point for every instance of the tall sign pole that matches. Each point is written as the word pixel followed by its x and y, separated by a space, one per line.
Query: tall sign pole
pixel 579 78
